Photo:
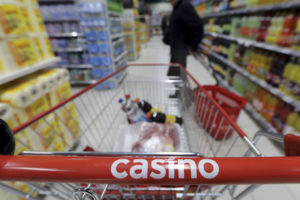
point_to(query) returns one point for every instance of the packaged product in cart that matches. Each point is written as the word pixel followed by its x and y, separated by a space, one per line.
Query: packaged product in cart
pixel 148 137
pixel 155 137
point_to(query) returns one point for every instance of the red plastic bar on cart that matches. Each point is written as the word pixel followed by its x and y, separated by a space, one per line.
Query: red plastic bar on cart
pixel 151 170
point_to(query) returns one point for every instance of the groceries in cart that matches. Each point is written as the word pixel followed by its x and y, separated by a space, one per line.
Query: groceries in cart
pixel 155 137
pixel 148 137
pixel 140 110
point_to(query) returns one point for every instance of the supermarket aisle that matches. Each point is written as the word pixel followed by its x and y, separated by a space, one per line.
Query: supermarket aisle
pixel 157 52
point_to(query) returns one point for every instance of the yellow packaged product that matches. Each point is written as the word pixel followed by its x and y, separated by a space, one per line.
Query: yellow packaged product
pixel 22 141
pixel 2 68
pixel 11 19
pixel 8 63
pixel 22 51
pixel 40 50
pixel 21 99
pixel 27 19
pixel 48 45
pixel 52 134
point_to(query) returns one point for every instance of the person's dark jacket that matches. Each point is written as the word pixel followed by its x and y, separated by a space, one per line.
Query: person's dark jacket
pixel 165 24
pixel 186 27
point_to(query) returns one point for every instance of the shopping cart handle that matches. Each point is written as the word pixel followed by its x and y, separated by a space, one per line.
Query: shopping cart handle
pixel 7 140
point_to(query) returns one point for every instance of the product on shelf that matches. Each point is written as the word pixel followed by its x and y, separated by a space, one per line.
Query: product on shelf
pixel 23 36
pixel 32 95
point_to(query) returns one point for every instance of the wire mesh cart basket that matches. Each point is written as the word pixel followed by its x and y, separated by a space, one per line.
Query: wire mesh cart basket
pixel 92 159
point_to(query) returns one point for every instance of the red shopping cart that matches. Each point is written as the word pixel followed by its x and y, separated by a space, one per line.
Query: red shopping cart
pixel 95 118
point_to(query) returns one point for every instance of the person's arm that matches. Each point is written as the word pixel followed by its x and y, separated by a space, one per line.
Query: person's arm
pixel 193 24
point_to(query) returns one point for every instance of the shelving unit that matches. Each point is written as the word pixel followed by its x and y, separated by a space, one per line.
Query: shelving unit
pixel 132 42
pixel 27 70
pixel 260 82
pixel 274 7
pixel 243 34
pixel 252 43
pixel 67 35
pixel 99 40
pixel 248 108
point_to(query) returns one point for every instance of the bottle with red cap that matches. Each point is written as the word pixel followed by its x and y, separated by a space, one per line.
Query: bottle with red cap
pixel 133 112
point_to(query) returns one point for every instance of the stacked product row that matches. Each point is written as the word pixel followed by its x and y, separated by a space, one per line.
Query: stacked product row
pixel 86 42
pixel 131 31
pixel 214 6
pixel 30 96
pixel 277 70
pixel 24 40
pixel 277 28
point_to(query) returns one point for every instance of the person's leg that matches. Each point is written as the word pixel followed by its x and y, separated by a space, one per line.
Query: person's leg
pixel 178 55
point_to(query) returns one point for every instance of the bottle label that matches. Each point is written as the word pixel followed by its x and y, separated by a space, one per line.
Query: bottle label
pixel 170 119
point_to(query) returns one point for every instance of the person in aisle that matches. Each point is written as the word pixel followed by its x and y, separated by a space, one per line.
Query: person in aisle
pixel 165 24
pixel 184 33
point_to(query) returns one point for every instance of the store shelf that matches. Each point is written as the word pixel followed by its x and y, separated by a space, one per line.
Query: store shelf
pixel 66 35
pixel 120 56
pixel 78 83
pixel 279 6
pixel 115 36
pixel 79 49
pixel 60 20
pixel 80 66
pixel 113 13
pixel 260 82
pixel 249 109
pixel 55 1
pixel 27 70
pixel 261 45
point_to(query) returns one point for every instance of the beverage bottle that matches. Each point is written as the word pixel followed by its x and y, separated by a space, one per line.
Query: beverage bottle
pixel 284 85
pixel 134 114
pixel 295 40
pixel 281 114
pixel 265 23
pixel 271 108
pixel 246 58
pixel 265 101
pixel 288 28
pixel 146 106
pixel 276 70
pixel 160 117
pixel 296 89
pixel 275 28
pixel 258 100
pixel 293 79
pixel 291 122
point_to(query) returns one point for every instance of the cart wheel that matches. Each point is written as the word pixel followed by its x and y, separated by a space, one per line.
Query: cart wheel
pixel 7 140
